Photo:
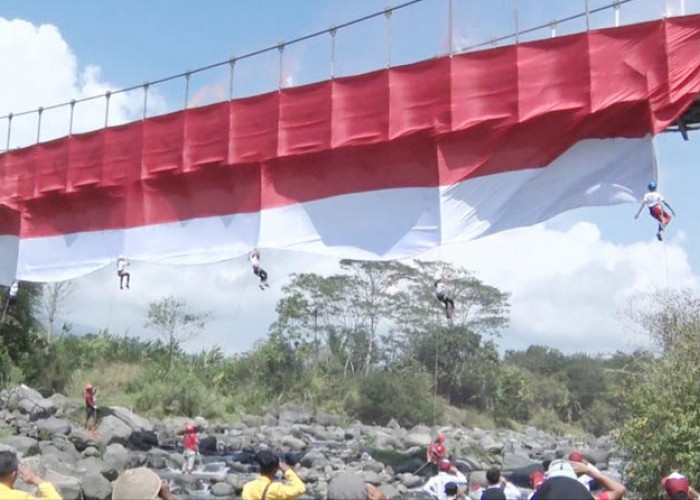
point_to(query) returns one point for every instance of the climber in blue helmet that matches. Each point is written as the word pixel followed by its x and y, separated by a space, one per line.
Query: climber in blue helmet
pixel 656 203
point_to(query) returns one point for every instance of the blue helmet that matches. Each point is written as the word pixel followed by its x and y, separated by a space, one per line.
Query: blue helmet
pixel 651 186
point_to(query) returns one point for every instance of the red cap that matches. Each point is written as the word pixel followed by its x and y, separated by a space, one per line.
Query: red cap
pixel 189 428
pixel 536 479
pixel 675 483
pixel 575 456
pixel 445 465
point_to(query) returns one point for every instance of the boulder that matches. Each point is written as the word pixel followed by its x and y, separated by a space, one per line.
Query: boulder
pixel 516 461
pixel 66 407
pixel 200 423
pixel 292 414
pixel 84 466
pixel 314 459
pixel 53 425
pixel 326 419
pixel 411 480
pixel 143 440
pixel 371 477
pixel 24 445
pixel 293 443
pixel 82 439
pixel 96 487
pixel 135 422
pixel 222 489
pixel 90 451
pixel 52 454
pixel 419 436
pixel 389 490
pixel 252 420
pixel 69 487
pixel 207 445
pixel 116 457
pixel 114 430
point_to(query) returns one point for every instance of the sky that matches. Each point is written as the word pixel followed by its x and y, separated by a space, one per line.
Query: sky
pixel 571 279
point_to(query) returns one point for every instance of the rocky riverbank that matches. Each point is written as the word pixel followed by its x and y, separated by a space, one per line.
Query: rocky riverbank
pixel 47 433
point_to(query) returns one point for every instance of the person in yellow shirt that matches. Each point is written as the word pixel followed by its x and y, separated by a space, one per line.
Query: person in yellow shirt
pixel 10 469
pixel 266 488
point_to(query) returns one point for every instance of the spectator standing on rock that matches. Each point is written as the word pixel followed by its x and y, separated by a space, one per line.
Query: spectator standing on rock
pixel 191 445
pixel 10 469
pixel 435 486
pixel 436 452
pixel 90 406
pixel 141 483
pixel 266 488
pixel 350 486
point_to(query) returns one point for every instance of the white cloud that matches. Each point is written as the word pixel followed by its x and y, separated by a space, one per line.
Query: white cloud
pixel 570 287
pixel 42 70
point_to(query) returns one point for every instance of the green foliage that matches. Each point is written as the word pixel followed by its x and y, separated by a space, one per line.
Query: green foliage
pixel 662 396
pixel 386 395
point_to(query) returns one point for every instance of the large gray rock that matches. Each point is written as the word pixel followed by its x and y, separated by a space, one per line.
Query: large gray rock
pixel 293 443
pixel 290 415
pixel 116 457
pixel 411 480
pixel 54 455
pixel 114 430
pixel 69 487
pixel 515 461
pixel 24 445
pixel 222 489
pixel 66 407
pixel 82 439
pixel 326 419
pixel 314 459
pixel 89 465
pixel 28 401
pixel 135 422
pixel 252 420
pixel 419 436
pixel 53 425
pixel 96 487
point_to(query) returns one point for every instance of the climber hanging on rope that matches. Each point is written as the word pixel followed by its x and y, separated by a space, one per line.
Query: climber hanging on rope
pixel 653 199
pixel 121 272
pixel 12 295
pixel 254 258
pixel 441 294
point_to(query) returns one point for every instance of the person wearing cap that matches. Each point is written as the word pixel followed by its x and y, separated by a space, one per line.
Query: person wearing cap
pixel 190 443
pixel 350 485
pixel 536 480
pixel 653 199
pixel 141 483
pixel 561 483
pixel 585 479
pixel 10 469
pixel 448 473
pixel 266 488
pixel 90 405
pixel 612 489
pixel 436 451
pixel 678 488
pixel 452 492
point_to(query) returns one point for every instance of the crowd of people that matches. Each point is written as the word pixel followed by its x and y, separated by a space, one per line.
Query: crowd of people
pixel 570 478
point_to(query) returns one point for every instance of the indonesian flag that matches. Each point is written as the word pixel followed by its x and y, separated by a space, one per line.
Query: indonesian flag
pixel 379 166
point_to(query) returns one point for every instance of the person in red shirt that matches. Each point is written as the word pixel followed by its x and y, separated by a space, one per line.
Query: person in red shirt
pixel 90 405
pixel 436 452
pixel 191 445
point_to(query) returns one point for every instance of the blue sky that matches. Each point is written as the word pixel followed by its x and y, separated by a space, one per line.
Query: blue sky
pixel 96 46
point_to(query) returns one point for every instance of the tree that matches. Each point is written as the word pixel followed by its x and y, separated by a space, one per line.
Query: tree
pixel 170 318
pixel 54 297
pixel 662 395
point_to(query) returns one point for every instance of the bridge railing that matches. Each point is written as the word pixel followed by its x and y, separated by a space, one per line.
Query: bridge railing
pixel 404 32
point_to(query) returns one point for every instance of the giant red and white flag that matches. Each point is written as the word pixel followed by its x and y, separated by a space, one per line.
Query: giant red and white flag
pixel 378 166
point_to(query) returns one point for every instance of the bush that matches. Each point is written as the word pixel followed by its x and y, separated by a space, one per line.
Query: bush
pixel 405 397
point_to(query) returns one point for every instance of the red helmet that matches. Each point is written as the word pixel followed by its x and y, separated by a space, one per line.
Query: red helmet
pixel 536 479
pixel 445 465
pixel 189 428
pixel 440 437
pixel 88 386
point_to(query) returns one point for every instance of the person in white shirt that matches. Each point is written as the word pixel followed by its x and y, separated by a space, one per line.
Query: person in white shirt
pixel 441 294
pixel 12 295
pixel 653 199
pixel 121 272
pixel 448 473
pixel 254 258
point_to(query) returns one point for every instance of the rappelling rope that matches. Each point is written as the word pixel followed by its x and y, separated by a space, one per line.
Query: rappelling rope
pixel 111 304
pixel 435 381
